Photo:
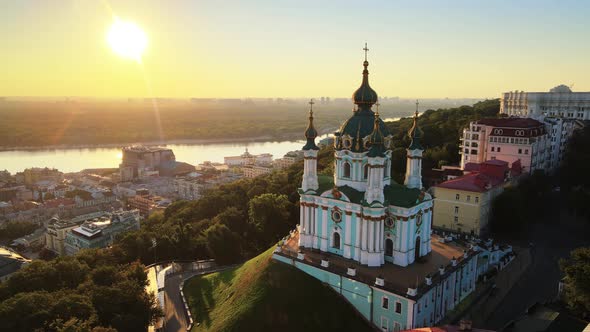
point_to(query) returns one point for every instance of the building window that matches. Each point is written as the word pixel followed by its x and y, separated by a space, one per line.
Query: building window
pixel 346 170
pixel 396 327
pixel 498 149
pixel 366 172
pixel 519 151
pixel 476 199
pixel 468 198
pixel 336 241
pixel 384 324
pixel 457 197
pixel 385 302
pixel 456 210
pixel 456 219
pixel 526 151
pixel 398 307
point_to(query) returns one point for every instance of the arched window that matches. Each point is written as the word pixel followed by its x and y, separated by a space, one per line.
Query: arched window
pixel 388 247
pixel 366 172
pixel 336 241
pixel 346 169
pixel 417 248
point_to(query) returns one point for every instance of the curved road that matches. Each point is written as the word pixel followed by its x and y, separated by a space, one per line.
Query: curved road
pixel 175 316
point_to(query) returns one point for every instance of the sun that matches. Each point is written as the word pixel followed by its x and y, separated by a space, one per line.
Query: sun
pixel 127 39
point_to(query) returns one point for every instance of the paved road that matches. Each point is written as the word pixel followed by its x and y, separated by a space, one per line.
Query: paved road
pixel 175 317
pixel 552 239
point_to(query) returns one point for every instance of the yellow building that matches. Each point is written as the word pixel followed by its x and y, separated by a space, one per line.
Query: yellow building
pixel 463 204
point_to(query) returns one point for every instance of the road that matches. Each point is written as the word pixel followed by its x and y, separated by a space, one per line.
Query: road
pixel 175 317
pixel 552 239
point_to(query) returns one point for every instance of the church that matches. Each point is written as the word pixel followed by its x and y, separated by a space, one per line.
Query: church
pixel 361 213
pixel 369 238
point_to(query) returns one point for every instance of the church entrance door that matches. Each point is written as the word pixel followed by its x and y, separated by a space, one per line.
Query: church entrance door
pixel 388 247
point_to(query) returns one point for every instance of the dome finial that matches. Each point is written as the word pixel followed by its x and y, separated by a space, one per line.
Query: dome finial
pixel 366 49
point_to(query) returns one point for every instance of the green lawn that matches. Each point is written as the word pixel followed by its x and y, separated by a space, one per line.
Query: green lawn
pixel 266 295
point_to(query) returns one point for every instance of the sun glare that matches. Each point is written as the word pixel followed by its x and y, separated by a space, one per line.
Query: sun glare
pixel 127 39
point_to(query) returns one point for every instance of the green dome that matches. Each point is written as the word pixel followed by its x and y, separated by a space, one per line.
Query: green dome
pixel 365 96
pixel 359 126
pixel 310 134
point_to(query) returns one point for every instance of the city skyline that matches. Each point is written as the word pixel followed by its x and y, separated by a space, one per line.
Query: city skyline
pixel 195 50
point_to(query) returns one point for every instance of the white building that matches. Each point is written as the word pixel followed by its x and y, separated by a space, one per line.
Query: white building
pixel 247 158
pixel 189 187
pixel 558 102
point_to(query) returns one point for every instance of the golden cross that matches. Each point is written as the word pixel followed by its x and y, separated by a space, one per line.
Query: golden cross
pixel 366 50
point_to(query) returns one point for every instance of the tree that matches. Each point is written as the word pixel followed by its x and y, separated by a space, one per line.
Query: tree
pixel 577 280
pixel 223 244
pixel 270 214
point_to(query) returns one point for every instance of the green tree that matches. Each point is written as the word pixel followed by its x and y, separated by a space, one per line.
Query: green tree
pixel 223 244
pixel 270 215
pixel 577 280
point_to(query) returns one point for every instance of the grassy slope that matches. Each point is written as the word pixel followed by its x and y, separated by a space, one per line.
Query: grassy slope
pixel 266 295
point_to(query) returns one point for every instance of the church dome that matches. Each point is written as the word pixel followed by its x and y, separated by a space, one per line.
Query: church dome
pixel 365 96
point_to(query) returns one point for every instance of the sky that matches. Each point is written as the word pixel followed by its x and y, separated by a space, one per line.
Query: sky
pixel 279 48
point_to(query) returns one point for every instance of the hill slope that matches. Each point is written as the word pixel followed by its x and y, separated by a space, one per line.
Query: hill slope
pixel 265 295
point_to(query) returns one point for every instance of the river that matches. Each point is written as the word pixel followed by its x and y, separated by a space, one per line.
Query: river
pixel 74 160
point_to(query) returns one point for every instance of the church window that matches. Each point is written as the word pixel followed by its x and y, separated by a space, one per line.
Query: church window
pixel 346 169
pixel 366 172
pixel 336 241
pixel 457 197
pixel 336 215
pixel 389 221
pixel 456 210
pixel 398 307
pixel 385 302
pixel 419 307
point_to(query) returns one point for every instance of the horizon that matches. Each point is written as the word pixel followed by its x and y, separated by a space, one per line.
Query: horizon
pixel 423 50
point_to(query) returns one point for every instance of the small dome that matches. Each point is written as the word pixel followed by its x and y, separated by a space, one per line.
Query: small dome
pixel 562 88
pixel 359 126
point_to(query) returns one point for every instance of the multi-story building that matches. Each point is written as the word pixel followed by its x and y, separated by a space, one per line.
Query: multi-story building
pixel 189 187
pixel 36 174
pixel 463 204
pixel 288 159
pixel 138 160
pixel 247 158
pixel 57 229
pixel 252 171
pixel 100 232
pixel 146 204
pixel 370 238
pixel 507 139
pixel 558 102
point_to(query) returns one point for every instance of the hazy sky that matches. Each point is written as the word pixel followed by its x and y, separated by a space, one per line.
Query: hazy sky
pixel 468 48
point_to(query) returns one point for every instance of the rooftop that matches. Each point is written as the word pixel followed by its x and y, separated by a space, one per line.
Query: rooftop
pixel 511 122
pixel 395 194
pixel 397 279
pixel 475 182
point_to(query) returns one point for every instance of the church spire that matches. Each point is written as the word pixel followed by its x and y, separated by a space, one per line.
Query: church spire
pixel 415 133
pixel 365 96
pixel 376 139
pixel 310 133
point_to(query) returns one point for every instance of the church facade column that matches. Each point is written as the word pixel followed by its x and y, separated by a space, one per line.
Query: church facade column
pixel 348 235
pixel 324 232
